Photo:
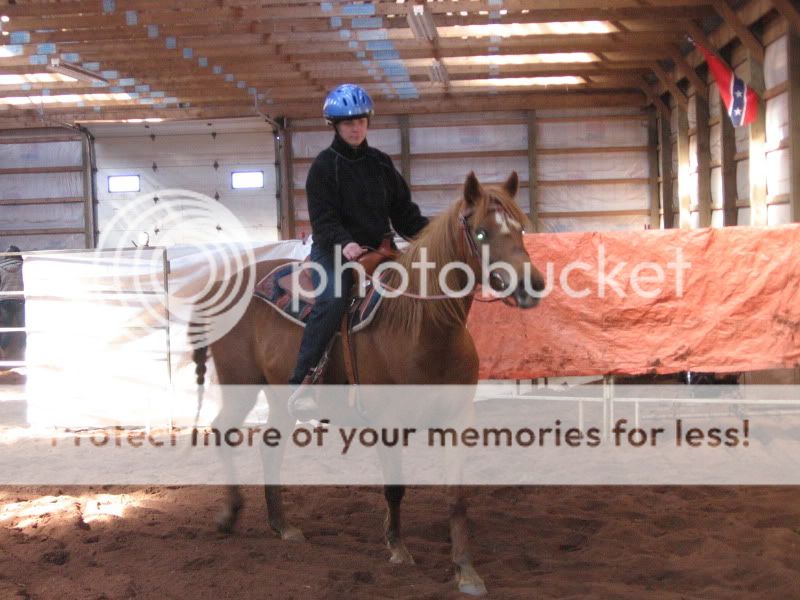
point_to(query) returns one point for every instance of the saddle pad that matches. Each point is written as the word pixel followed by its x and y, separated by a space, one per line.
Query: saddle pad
pixel 270 292
pixel 361 313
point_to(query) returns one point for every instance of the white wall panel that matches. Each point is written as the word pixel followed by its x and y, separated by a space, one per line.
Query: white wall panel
pixel 433 202
pixel 778 172
pixel 714 100
pixel 743 180
pixel 594 223
pixel 715 143
pixel 716 187
pixel 455 170
pixel 779 214
pixel 41 154
pixel 51 241
pixel 588 134
pixel 41 185
pixel 41 216
pixel 777 119
pixel 563 198
pixel 744 216
pixel 610 165
pixel 472 138
pixel 776 62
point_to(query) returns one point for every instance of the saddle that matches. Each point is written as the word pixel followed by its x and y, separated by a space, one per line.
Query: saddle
pixel 303 285
pixel 281 285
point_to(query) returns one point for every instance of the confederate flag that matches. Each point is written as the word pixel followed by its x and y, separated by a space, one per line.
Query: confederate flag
pixel 740 100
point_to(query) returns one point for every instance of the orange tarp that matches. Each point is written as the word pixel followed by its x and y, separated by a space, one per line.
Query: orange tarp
pixel 739 308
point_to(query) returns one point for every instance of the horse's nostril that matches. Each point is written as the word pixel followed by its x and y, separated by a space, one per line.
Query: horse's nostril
pixel 524 299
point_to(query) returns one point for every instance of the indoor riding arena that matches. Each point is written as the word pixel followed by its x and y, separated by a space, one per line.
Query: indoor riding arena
pixel 403 299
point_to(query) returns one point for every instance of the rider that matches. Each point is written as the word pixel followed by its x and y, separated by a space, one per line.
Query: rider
pixel 353 193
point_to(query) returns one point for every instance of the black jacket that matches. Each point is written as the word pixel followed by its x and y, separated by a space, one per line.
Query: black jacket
pixel 353 193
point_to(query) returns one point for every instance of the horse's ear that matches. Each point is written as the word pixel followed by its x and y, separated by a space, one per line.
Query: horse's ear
pixel 472 189
pixel 512 184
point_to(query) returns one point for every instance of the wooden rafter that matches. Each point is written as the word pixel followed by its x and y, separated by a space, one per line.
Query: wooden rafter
pixel 684 67
pixel 667 82
pixel 789 10
pixel 293 51
pixel 742 31
pixel 654 98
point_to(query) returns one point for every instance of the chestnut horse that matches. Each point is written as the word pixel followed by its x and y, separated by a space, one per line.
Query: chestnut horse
pixel 411 341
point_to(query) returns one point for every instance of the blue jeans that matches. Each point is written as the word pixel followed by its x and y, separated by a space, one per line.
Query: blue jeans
pixel 326 314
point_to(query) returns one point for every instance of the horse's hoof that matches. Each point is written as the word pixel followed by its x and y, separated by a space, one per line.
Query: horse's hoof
pixel 400 555
pixel 472 588
pixel 469 582
pixel 226 521
pixel 292 534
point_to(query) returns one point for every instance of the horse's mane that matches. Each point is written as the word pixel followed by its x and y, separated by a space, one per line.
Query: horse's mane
pixel 443 240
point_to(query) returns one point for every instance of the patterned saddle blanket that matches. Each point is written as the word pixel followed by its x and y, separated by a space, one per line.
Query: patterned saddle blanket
pixel 276 289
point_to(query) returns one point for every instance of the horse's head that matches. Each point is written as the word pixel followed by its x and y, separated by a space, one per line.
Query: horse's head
pixel 493 228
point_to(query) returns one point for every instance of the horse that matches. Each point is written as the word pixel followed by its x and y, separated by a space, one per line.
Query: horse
pixel 412 340
pixel 12 308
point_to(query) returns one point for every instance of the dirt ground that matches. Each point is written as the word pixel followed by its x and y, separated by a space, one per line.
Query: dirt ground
pixel 545 542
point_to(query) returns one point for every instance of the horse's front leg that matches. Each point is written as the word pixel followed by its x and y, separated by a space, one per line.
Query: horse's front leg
pixel 469 582
pixel 392 472
pixel 271 459
pixel 394 496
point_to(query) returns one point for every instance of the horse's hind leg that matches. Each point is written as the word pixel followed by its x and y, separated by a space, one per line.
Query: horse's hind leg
pixel 235 407
pixel 272 458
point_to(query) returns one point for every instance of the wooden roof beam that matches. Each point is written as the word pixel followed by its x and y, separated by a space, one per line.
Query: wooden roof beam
pixel 667 82
pixel 742 31
pixel 790 12
pixel 699 85
pixel 654 98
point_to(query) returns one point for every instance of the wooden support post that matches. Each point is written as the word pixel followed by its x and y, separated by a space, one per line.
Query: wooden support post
pixel 652 159
pixel 533 185
pixel 794 132
pixel 757 148
pixel 405 149
pixel 88 190
pixel 665 144
pixel 703 162
pixel 283 146
pixel 684 180
pixel 730 195
pixel 730 192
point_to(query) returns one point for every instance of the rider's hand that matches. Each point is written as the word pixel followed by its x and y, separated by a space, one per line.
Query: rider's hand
pixel 352 251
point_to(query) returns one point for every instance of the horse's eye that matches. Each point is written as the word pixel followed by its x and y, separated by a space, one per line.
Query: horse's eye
pixel 481 235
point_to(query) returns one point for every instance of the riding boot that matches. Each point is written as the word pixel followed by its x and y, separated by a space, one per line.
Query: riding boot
pixel 322 325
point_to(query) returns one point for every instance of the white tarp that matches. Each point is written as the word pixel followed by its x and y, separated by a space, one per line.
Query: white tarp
pixel 100 317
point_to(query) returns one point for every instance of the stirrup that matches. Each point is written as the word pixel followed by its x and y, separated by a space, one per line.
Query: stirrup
pixel 302 405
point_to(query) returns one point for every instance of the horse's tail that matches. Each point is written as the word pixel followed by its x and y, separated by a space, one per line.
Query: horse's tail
pixel 200 356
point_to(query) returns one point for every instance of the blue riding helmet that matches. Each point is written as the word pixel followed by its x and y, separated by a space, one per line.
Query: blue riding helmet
pixel 348 101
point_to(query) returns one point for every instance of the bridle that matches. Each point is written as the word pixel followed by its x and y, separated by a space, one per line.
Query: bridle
pixel 467 243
